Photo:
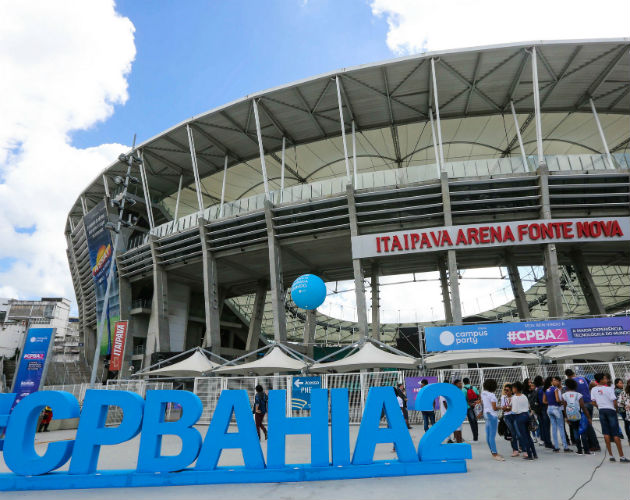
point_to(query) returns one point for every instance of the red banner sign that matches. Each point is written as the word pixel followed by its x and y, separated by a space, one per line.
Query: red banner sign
pixel 491 234
pixel 118 346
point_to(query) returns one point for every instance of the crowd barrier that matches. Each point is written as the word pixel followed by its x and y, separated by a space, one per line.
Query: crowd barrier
pixel 208 389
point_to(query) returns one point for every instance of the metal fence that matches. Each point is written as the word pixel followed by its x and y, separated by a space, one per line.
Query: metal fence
pixel 208 389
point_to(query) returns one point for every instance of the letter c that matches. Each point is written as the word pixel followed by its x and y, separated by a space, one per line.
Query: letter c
pixel 19 450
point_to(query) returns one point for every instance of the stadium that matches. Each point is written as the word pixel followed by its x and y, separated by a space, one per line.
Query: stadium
pixel 228 208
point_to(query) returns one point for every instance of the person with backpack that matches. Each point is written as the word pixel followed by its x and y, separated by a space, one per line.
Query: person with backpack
pixel 260 409
pixel 552 397
pixel 574 408
pixel 520 410
pixel 604 399
pixel 509 418
pixel 473 400
pixel 584 388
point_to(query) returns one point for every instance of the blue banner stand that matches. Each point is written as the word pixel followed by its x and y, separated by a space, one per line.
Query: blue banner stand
pixel 226 475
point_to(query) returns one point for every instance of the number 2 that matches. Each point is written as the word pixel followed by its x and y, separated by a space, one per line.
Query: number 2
pixel 431 447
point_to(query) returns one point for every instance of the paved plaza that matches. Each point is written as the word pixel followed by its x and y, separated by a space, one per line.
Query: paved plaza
pixel 486 478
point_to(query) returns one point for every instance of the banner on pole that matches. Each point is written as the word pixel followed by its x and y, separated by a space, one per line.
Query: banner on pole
pixel 32 368
pixel 118 345
pixel 102 262
pixel 530 333
pixel 413 386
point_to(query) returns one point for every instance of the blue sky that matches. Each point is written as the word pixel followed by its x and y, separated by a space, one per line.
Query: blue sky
pixel 193 56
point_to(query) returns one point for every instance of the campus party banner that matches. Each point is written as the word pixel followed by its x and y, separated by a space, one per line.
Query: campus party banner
pixel 100 246
pixel 530 333
pixel 33 362
pixel 301 391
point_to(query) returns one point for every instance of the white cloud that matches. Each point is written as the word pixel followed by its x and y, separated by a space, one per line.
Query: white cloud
pixel 64 68
pixel 415 25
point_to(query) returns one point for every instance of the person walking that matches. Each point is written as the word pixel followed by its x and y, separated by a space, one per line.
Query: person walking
pixel 260 409
pixel 574 408
pixel 520 410
pixel 472 399
pixel 490 407
pixel 509 418
pixel 543 417
pixel 428 417
pixel 584 388
pixel 604 400
pixel 402 394
pixel 621 409
pixel 623 401
pixel 553 399
pixel 47 415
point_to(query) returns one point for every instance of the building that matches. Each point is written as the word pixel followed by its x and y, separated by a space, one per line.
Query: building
pixel 234 204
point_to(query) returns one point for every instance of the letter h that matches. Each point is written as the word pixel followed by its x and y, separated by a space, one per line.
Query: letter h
pixel 280 426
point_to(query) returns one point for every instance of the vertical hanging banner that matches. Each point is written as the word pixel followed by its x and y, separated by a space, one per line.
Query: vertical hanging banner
pixel 32 368
pixel 118 346
pixel 413 386
pixel 102 261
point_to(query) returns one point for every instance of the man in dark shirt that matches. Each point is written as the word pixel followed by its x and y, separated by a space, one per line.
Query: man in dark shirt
pixel 541 413
pixel 583 387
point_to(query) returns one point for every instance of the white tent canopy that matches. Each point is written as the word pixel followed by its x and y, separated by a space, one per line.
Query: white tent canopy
pixel 367 356
pixel 486 356
pixel 275 361
pixel 595 352
pixel 193 366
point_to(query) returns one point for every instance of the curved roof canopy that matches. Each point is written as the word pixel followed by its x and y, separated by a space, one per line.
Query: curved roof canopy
pixel 367 356
pixel 486 356
pixel 389 105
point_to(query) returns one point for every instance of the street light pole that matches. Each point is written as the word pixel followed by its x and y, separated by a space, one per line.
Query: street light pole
pixel 101 324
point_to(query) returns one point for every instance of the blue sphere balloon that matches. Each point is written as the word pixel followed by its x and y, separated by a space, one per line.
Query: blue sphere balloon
pixel 308 291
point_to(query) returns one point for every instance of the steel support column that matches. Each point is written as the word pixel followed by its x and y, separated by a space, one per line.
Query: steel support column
pixel 261 149
pixel 354 153
pixel 179 192
pixel 437 111
pixel 451 256
pixel 158 334
pixel 436 153
pixel 446 296
pixel 517 287
pixel 359 285
pixel 211 300
pixel 520 139
pixel 539 143
pixel 552 273
pixel 284 140
pixel 193 159
pixel 589 289
pixel 275 278
pixel 376 302
pixel 601 135
pixel 255 322
pixel 343 129
pixel 309 332
pixel 225 165
pixel 145 191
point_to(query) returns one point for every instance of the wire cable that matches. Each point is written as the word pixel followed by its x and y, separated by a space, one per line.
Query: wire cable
pixel 590 478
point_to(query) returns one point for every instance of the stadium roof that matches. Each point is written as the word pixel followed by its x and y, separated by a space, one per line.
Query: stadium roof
pixel 389 104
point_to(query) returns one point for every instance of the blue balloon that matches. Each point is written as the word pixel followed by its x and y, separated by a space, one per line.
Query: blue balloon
pixel 308 291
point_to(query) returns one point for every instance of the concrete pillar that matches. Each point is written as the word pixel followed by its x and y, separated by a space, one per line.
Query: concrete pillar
pixel 552 273
pixel 124 297
pixel 376 303
pixel 88 346
pixel 158 335
pixel 211 299
pixel 359 286
pixel 451 256
pixel 309 332
pixel 275 278
pixel 446 297
pixel 517 287
pixel 589 289
pixel 255 322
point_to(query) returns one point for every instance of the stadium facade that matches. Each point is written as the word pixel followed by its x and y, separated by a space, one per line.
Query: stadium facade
pixel 234 204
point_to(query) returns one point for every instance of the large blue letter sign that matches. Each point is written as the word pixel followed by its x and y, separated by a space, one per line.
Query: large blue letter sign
pixel 330 457
pixel 19 450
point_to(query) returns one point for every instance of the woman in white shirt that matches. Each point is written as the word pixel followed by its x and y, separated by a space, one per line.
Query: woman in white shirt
pixel 489 401
pixel 520 410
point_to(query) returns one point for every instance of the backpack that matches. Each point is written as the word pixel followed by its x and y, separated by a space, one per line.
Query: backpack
pixel 471 395
pixel 573 410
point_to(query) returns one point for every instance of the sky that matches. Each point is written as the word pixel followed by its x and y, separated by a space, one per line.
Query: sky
pixel 80 78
